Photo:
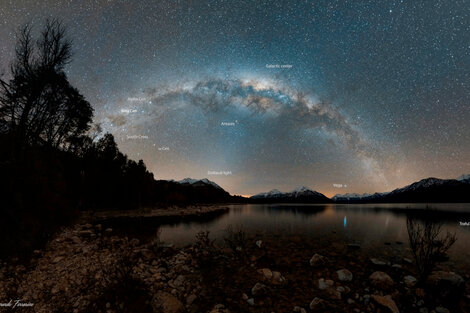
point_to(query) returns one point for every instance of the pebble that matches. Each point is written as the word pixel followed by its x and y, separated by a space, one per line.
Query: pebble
pixel 378 262
pixel 318 260
pixel 410 281
pixel 344 275
pixel 258 289
pixel 441 309
pixel 316 303
pixel 299 309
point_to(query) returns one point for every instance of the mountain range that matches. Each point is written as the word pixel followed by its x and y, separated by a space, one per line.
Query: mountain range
pixel 299 195
pixel 429 190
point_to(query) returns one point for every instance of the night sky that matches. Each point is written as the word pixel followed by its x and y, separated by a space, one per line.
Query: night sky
pixel 256 95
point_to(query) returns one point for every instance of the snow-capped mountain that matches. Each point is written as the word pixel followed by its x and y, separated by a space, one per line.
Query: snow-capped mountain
pixel 270 194
pixel 463 177
pixel 300 194
pixel 428 190
pixel 350 196
pixel 424 183
pixel 192 181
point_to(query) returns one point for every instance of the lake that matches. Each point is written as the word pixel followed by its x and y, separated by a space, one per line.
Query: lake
pixel 380 229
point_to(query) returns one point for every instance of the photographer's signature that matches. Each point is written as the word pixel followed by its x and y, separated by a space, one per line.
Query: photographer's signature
pixel 464 223
pixel 16 304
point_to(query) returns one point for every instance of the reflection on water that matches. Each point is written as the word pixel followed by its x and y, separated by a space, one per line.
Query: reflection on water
pixel 370 225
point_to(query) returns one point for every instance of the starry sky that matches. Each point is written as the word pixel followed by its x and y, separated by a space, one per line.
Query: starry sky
pixel 341 96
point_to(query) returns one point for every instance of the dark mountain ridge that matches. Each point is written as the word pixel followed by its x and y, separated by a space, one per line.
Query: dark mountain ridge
pixel 428 190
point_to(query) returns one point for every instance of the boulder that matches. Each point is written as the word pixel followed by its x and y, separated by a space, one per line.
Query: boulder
pixel 386 302
pixel 381 280
pixel 344 275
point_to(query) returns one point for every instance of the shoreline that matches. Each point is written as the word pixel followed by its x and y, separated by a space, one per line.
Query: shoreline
pixel 171 212
pixel 88 267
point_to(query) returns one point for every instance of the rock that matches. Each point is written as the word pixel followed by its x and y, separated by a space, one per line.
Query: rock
pixel 147 254
pixel 325 284
pixel 441 309
pixel 317 304
pixel 446 285
pixel 258 243
pixel 250 301
pixel 266 272
pixel 166 302
pixel 344 275
pixel 219 308
pixel 108 230
pixel 318 260
pixel 409 280
pixel 406 260
pixel 378 262
pixel 57 259
pixel 244 296
pixel 341 289
pixel 277 278
pixel 75 239
pixel 333 293
pixel 190 299
pixel 299 309
pixel 419 292
pixel 258 289
pixel 179 281
pixel 350 301
pixel 386 302
pixel 397 266
pixel 423 310
pixel 85 233
pixel 381 280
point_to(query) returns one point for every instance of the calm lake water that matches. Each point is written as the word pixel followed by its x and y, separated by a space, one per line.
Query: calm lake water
pixel 379 228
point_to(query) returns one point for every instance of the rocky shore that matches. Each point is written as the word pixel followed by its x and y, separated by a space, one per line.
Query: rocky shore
pixel 88 268
pixel 164 212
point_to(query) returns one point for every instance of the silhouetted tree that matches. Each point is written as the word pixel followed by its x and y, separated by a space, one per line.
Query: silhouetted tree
pixel 38 106
pixel 427 245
